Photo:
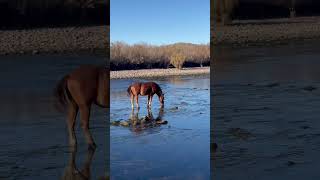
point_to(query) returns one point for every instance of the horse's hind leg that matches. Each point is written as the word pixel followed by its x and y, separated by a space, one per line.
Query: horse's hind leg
pixel 137 101
pixel 71 119
pixel 84 116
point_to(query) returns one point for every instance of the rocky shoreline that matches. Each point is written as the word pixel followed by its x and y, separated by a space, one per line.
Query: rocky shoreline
pixel 266 31
pixel 66 40
pixel 151 73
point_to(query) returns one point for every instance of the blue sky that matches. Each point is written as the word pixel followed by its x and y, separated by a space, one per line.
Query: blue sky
pixel 160 21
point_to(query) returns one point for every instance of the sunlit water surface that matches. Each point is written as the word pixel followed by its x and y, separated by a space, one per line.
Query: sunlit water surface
pixel 266 111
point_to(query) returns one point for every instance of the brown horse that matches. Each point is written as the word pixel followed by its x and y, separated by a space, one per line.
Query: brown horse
pixel 143 89
pixel 80 89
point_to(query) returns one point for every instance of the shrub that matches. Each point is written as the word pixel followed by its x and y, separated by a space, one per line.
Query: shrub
pixel 177 60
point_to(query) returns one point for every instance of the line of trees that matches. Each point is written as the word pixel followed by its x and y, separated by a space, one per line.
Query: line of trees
pixel 226 10
pixel 37 13
pixel 146 56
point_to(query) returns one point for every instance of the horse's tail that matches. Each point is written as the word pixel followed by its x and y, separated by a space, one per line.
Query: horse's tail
pixel 62 93
pixel 129 90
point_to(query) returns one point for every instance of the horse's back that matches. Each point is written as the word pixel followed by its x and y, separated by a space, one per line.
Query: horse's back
pixel 83 84
pixel 149 88
pixel 151 84
pixel 85 72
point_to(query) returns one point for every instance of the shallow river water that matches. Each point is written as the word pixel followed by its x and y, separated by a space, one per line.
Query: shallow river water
pixel 177 150
pixel 33 133
pixel 266 111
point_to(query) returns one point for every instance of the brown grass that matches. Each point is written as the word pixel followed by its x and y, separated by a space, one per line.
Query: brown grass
pixel 145 56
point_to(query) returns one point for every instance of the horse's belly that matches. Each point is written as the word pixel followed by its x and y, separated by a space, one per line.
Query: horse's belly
pixel 145 91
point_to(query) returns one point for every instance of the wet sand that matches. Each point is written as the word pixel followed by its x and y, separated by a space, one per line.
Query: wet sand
pixel 33 134
pixel 152 73
pixel 266 118
pixel 176 150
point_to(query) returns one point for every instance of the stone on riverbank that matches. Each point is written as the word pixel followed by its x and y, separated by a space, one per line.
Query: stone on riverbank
pixel 264 33
pixel 158 73
pixel 63 40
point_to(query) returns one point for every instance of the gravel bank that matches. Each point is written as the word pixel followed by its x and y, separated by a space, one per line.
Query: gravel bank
pixel 93 39
pixel 147 73
pixel 280 30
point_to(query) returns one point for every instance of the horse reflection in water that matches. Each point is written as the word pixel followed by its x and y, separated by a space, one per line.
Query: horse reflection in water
pixel 72 172
pixel 137 124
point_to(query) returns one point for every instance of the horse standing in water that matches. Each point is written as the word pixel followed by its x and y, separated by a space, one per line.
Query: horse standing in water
pixel 143 89
pixel 80 89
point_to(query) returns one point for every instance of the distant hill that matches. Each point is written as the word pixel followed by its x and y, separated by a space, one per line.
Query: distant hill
pixel 43 13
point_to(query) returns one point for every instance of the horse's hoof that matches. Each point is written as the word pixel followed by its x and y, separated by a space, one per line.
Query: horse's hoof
pixel 92 147
pixel 73 148
pixel 161 122
pixel 73 144
pixel 124 123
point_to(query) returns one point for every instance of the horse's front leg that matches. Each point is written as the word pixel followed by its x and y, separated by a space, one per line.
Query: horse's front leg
pixel 131 99
pixel 149 104
pixel 84 116
pixel 70 169
pixel 151 96
pixel 137 101
pixel 86 172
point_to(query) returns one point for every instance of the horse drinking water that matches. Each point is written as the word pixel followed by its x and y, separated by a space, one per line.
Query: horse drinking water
pixel 145 89
pixel 80 89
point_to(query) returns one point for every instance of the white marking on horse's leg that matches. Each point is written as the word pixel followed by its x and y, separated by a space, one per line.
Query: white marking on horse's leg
pixel 149 104
pixel 131 99
pixel 151 100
